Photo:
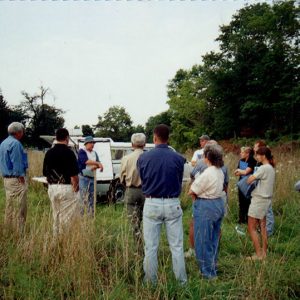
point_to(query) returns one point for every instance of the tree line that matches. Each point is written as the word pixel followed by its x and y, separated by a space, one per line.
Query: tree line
pixel 249 87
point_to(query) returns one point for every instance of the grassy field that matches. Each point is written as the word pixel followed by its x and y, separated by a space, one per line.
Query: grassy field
pixel 98 260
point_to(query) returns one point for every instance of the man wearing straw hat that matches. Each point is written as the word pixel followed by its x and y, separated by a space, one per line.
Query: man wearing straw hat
pixel 61 169
pixel 88 162
pixel 13 165
pixel 134 197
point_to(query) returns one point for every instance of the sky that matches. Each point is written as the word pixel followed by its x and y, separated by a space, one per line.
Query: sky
pixel 96 54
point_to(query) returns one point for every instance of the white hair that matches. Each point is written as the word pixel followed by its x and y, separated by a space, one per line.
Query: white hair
pixel 15 127
pixel 212 144
pixel 138 139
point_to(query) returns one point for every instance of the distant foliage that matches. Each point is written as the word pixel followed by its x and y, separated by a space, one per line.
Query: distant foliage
pixel 4 117
pixel 162 118
pixel 8 115
pixel 116 123
pixel 87 130
pixel 42 119
pixel 250 87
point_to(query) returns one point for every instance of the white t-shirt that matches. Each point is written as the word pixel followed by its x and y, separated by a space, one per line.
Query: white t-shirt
pixel 91 156
pixel 266 175
pixel 209 184
pixel 198 154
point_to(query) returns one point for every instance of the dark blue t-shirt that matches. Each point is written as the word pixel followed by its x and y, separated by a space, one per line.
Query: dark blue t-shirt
pixel 161 172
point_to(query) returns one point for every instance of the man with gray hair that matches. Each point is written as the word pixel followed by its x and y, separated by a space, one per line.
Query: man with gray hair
pixel 134 198
pixel 198 154
pixel 13 165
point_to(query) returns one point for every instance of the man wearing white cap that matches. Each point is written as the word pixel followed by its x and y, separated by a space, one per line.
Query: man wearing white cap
pixel 134 197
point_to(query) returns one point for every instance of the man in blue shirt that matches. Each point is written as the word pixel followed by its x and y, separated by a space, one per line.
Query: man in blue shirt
pixel 13 165
pixel 161 172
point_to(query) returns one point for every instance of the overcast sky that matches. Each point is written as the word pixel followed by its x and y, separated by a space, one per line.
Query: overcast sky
pixel 96 54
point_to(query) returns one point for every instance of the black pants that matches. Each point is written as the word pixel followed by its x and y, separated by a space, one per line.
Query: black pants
pixel 244 204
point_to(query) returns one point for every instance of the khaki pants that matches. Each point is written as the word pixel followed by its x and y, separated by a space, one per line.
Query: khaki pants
pixel 65 206
pixel 16 203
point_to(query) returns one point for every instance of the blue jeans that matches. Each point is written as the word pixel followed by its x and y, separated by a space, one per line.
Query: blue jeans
pixel 208 215
pixel 270 221
pixel 86 188
pixel 158 211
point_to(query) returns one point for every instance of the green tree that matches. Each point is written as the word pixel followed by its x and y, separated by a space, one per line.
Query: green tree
pixel 7 115
pixel 250 87
pixel 138 128
pixel 42 119
pixel 4 117
pixel 188 107
pixel 87 130
pixel 116 123
pixel 152 122
pixel 260 62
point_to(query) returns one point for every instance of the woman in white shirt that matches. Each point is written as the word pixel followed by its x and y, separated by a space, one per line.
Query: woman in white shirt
pixel 261 201
pixel 208 210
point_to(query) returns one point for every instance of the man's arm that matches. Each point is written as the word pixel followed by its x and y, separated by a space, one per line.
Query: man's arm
pixel 123 170
pixel 94 164
pixel 75 183
pixel 74 170
pixel 17 160
pixel 139 167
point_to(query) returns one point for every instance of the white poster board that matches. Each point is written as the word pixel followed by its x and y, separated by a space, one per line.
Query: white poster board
pixel 103 150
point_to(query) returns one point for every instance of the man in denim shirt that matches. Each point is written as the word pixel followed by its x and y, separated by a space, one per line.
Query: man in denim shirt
pixel 13 165
pixel 161 172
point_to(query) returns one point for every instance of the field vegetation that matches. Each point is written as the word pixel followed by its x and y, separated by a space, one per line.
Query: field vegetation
pixel 98 259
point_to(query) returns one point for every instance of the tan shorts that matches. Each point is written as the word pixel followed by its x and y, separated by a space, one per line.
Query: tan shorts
pixel 259 207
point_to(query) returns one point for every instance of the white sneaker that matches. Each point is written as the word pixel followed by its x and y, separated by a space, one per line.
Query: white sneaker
pixel 240 230
pixel 189 253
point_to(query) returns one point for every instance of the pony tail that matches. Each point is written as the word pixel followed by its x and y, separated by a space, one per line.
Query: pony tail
pixel 272 161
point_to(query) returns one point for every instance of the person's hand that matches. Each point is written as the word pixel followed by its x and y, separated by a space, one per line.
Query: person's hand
pixel 22 179
pixel 237 172
pixel 192 194
pixel 100 166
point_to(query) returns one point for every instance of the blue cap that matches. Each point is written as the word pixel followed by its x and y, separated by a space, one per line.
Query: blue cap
pixel 88 139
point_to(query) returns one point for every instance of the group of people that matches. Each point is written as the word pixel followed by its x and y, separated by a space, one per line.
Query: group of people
pixel 153 181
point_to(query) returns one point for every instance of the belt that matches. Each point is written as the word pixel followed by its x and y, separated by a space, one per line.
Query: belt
pixel 86 176
pixel 134 187
pixel 11 176
pixel 207 199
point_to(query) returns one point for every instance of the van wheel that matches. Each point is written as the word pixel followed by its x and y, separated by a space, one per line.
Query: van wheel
pixel 119 193
pixel 116 192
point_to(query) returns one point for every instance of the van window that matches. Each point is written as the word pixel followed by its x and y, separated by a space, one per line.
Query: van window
pixel 117 154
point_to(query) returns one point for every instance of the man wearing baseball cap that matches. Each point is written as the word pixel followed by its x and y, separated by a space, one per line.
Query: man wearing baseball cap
pixel 88 161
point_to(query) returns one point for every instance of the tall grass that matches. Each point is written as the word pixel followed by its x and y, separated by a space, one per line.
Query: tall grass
pixel 99 260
